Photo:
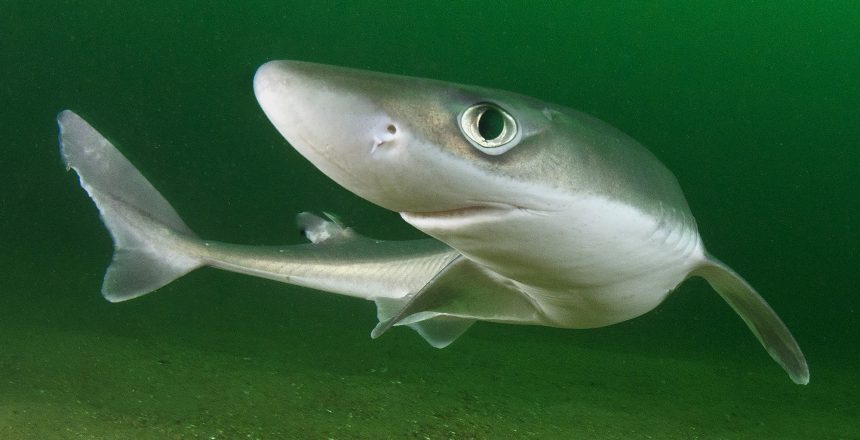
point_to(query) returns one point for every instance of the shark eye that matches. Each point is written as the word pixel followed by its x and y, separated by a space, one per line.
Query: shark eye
pixel 489 128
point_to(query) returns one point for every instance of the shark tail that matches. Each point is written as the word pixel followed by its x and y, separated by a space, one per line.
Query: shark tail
pixel 759 317
pixel 147 233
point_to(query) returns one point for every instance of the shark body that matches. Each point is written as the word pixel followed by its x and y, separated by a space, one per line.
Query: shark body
pixel 538 214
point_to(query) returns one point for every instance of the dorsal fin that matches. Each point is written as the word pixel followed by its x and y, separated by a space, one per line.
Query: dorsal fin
pixel 319 230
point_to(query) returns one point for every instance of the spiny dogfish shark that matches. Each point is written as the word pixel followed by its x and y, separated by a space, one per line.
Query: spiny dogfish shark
pixel 538 214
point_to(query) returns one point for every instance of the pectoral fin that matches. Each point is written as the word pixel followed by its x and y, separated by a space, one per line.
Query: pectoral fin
pixel 761 319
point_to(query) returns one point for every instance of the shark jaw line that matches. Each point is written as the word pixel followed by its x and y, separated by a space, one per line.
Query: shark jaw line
pixel 477 212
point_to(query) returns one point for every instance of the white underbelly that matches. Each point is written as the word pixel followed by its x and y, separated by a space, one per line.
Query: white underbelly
pixel 596 263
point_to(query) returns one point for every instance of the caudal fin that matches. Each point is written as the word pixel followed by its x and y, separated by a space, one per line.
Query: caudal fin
pixel 761 319
pixel 146 230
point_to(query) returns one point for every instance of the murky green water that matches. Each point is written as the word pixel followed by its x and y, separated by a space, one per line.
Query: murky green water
pixel 755 109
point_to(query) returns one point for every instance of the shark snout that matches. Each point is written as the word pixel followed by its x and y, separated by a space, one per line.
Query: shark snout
pixel 330 117
pixel 319 112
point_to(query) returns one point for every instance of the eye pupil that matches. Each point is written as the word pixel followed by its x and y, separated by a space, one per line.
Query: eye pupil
pixel 489 128
pixel 491 123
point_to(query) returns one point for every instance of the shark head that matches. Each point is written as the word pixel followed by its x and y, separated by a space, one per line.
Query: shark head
pixel 482 170
pixel 534 191
pixel 411 145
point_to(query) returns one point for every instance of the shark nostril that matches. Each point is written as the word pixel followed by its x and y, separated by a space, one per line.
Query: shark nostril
pixel 381 138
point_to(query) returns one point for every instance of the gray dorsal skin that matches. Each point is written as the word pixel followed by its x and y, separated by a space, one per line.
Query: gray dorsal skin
pixel 539 214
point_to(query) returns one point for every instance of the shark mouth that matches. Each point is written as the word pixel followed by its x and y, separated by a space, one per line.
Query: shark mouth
pixel 488 211
pixel 458 212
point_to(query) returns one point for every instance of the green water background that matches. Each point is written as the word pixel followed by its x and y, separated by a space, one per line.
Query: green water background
pixel 753 106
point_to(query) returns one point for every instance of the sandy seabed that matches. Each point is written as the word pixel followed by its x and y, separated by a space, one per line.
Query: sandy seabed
pixel 199 361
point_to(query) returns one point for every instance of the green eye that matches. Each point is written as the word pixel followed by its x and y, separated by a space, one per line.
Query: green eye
pixel 489 127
